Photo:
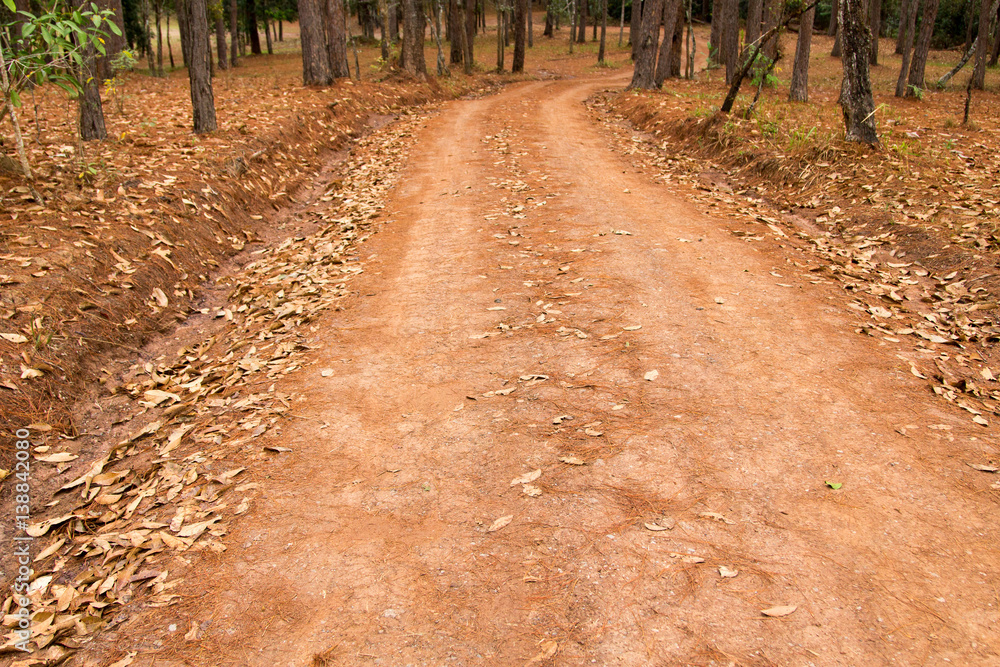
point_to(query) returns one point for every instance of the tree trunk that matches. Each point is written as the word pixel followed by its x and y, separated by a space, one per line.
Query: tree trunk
pixel 621 26
pixel 910 28
pixel 635 27
pixel 730 45
pixel 856 98
pixel 996 44
pixel 199 76
pixel 604 30
pixel 267 36
pixel 170 49
pixel 336 38
pixel 799 88
pixel 531 27
pixel 919 64
pixel 875 19
pixel 455 29
pixel 413 38
pixel 500 43
pixel 665 57
pixel 470 35
pixel 644 74
pixel 91 112
pixel 548 30
pixel 157 9
pixel 755 14
pixel 715 36
pixel 772 9
pixel 982 51
pixel 906 8
pixel 234 31
pixel 251 6
pixel 831 30
pixel 220 41
pixel 315 58
pixel 677 41
pixel 581 21
pixel 520 37
pixel 837 49
pixel 281 30
pixel 183 25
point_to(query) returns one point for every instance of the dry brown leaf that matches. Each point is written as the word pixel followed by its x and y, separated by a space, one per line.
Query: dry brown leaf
pixel 572 460
pixel 500 523
pixel 527 477
pixel 777 612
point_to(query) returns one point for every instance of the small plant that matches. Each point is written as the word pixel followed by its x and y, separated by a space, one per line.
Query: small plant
pixel 917 92
pixel 768 128
pixel 762 72
pixel 797 138
pixel 124 62
pixel 949 144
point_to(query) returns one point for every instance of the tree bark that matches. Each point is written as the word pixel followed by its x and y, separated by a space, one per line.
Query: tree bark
pixel 170 49
pixel 715 36
pixel 910 28
pixel 906 8
pixel 919 64
pixel 91 112
pixel 520 36
pixel 665 57
pixel 644 74
pixel 856 98
pixel 799 89
pixel 234 31
pixel 220 41
pixel 635 27
pixel 183 25
pixel 413 38
pixel 157 9
pixel 772 9
pixel 982 50
pixel 875 19
pixel 202 98
pixel 251 7
pixel 548 30
pixel 831 29
pixel 336 38
pixel 267 36
pixel 470 35
pixel 455 30
pixel 531 27
pixel 730 45
pixel 604 29
pixel 315 59
pixel 755 13
pixel 581 21
pixel 677 41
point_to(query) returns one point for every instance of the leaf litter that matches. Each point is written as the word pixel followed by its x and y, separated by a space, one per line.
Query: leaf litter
pixel 133 512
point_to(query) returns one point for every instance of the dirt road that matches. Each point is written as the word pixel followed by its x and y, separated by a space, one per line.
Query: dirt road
pixel 683 464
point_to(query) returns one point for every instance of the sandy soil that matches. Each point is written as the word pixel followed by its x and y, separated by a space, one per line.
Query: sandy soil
pixel 496 333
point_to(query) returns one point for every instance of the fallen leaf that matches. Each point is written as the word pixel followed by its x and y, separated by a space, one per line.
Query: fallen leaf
pixel 277 449
pixel 549 648
pixel 572 460
pixel 124 662
pixel 981 421
pixel 58 457
pixel 652 375
pixel 14 338
pixel 727 572
pixel 161 298
pixel 500 523
pixel 526 477
pixel 531 490
pixel 777 612
pixel 984 468
pixel 717 517
pixel 326 372
pixel 594 433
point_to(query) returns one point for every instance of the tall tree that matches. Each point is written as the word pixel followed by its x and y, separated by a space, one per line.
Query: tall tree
pixel 635 27
pixel 906 9
pixel 875 18
pixel 665 57
pixel 91 112
pixel 831 29
pixel 983 49
pixel 547 31
pixel 856 97
pixel 520 19
pixel 904 70
pixel 604 29
pixel 335 27
pixel 798 91
pixel 469 12
pixel 234 32
pixel 729 47
pixel 199 76
pixel 772 12
pixel 413 38
pixel 755 14
pixel 644 73
pixel 315 58
pixel 220 40
pixel 915 79
pixel 455 30
pixel 715 36
pixel 251 11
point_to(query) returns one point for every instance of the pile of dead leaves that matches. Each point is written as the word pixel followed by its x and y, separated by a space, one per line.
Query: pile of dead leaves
pixel 171 487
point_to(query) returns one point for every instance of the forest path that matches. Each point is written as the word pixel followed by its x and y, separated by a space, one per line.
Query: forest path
pixel 371 543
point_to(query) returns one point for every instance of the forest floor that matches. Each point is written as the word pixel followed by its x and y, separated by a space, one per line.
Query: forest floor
pixel 552 375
